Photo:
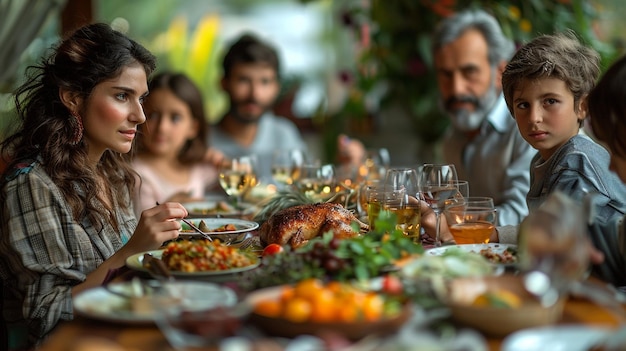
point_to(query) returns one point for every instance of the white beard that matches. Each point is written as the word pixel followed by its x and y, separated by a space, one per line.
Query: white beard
pixel 465 120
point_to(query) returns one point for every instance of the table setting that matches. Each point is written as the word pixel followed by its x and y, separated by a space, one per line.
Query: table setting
pixel 378 286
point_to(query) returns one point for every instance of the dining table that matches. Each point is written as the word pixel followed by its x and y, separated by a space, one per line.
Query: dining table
pixel 89 333
pixel 84 333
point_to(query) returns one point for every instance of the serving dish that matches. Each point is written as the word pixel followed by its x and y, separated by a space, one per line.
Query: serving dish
pixel 496 319
pixel 496 250
pixel 356 330
pixel 117 302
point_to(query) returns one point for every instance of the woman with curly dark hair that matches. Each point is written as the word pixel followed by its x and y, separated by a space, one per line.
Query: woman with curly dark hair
pixel 67 216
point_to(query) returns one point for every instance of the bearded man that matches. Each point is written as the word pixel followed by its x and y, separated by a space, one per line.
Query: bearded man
pixel 470 53
pixel 251 80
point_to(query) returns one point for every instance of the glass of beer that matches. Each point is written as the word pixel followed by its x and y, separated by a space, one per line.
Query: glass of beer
pixel 400 196
pixel 472 221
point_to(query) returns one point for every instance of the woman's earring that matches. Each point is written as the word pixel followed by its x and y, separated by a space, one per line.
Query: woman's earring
pixel 77 128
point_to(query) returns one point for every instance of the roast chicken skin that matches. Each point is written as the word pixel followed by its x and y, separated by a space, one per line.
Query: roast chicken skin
pixel 298 224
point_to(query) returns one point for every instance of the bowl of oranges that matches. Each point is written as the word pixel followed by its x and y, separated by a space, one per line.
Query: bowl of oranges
pixel 498 305
pixel 312 307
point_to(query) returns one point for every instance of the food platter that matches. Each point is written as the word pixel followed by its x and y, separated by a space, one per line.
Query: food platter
pixel 110 304
pixel 495 249
pixel 351 330
pixel 136 262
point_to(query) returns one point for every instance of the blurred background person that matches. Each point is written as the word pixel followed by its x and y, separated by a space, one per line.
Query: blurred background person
pixel 470 52
pixel 251 79
pixel 172 144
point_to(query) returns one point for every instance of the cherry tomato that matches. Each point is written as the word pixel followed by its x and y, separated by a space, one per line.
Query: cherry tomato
pixel 272 249
pixel 392 285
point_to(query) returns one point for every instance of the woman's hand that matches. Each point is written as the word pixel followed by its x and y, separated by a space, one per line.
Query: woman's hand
pixel 156 226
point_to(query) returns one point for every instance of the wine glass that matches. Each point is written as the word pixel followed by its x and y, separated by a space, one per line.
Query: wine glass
pixel 363 194
pixel 553 248
pixel 316 180
pixel 237 176
pixel 400 196
pixel 285 164
pixel 437 184
pixel 376 163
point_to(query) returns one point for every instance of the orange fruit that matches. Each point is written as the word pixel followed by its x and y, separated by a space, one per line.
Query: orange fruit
pixel 287 293
pixel 348 313
pixel 335 286
pixel 373 306
pixel 308 288
pixel 297 309
pixel 323 306
pixel 269 308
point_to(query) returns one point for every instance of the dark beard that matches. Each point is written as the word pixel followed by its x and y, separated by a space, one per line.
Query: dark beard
pixel 246 119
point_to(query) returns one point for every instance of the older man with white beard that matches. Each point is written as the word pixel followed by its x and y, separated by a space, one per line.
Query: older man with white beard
pixel 470 53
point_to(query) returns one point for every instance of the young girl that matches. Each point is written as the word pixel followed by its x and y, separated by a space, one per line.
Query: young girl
pixel 172 144
pixel 607 111
pixel 545 85
pixel 66 215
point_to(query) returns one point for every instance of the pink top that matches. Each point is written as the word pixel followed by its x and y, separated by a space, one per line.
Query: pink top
pixel 155 189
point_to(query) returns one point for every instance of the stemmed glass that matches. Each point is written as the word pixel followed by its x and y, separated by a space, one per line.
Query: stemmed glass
pixel 438 184
pixel 237 176
pixel 316 180
pixel 553 248
pixel 401 197
pixel 285 165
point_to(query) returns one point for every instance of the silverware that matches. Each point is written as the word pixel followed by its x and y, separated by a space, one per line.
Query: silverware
pixel 193 226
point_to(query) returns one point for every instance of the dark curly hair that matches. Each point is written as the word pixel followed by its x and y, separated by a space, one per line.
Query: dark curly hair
pixel 90 55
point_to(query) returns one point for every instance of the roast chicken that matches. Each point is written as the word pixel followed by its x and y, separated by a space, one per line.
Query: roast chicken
pixel 296 225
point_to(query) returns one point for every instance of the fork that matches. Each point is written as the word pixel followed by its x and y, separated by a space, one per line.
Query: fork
pixel 193 226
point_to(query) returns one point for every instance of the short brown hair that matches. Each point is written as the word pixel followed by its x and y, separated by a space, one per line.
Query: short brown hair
pixel 560 56
pixel 250 49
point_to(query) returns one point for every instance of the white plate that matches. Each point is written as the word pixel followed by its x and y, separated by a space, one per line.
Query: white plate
pixel 495 247
pixel 557 338
pixel 100 303
pixel 242 225
pixel 215 207
pixel 136 262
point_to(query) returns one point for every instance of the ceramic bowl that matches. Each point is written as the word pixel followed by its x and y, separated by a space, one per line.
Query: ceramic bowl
pixel 493 320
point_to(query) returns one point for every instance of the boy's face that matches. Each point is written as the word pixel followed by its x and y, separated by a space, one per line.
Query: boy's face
pixel 545 115
pixel 468 84
pixel 252 89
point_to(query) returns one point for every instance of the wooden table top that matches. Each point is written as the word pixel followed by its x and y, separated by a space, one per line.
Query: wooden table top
pixel 86 334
